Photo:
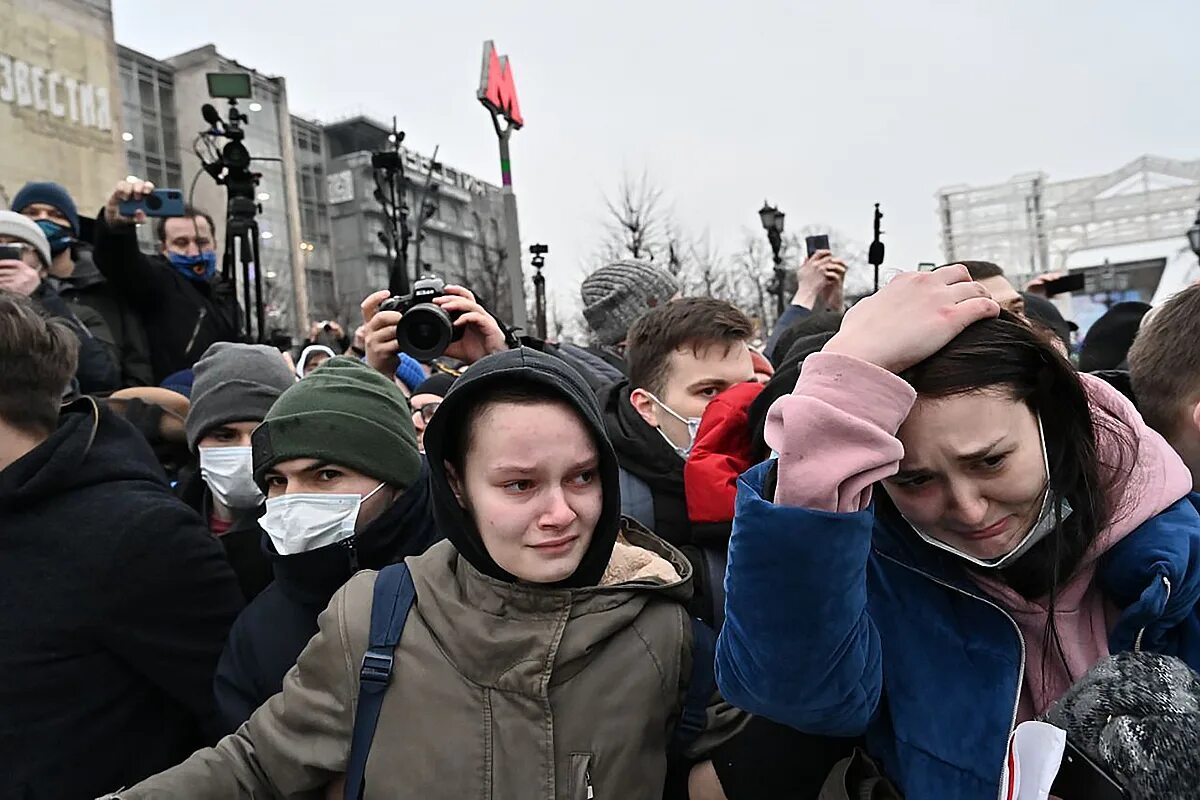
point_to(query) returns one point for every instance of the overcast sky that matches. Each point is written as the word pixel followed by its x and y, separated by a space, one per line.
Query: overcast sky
pixel 824 108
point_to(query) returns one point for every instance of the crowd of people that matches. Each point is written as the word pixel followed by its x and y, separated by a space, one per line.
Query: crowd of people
pixel 841 558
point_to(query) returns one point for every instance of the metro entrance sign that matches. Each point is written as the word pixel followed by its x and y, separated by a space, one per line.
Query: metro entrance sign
pixel 498 94
pixel 497 91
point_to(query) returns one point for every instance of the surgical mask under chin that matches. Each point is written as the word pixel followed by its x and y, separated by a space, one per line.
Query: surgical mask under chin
pixel 1042 527
pixel 301 523
pixel 229 473
pixel 692 423
pixel 188 265
pixel 59 236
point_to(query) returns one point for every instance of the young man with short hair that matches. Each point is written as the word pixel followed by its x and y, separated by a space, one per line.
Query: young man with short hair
pixel 115 601
pixel 681 356
pixel 992 278
pixel 184 302
pixel 1164 364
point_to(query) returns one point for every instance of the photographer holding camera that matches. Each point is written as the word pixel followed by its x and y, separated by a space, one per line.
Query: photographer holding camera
pixel 464 330
pixel 184 302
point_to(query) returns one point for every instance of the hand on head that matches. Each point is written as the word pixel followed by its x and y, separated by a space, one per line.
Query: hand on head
pixel 912 318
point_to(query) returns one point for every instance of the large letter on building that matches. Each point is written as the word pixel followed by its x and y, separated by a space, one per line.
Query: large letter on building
pixel 497 90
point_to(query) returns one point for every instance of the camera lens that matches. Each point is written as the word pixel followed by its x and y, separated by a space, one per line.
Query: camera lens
pixel 425 331
pixel 153 202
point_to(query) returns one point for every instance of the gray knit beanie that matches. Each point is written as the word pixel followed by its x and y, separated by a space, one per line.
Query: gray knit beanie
pixel 615 295
pixel 1138 716
pixel 19 226
pixel 235 383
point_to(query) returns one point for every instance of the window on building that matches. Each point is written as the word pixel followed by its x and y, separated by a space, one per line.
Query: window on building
pixel 301 140
pixel 174 176
pixel 166 100
pixel 493 238
pixel 458 256
pixel 137 165
pixel 146 94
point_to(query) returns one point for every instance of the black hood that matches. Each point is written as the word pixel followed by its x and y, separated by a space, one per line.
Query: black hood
pixel 92 445
pixel 405 529
pixel 529 367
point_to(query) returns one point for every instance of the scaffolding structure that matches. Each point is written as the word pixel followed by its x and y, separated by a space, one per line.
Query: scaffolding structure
pixel 1030 225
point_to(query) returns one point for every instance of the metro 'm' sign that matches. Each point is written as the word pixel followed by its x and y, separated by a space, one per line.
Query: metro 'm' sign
pixel 496 88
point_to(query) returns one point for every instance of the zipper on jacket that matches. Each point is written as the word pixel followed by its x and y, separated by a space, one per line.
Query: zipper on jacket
pixel 1020 638
pixel 1137 643
pixel 196 331
pixel 581 787
pixel 591 792
pixel 352 551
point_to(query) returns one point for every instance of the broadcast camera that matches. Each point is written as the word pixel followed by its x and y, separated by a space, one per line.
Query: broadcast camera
pixel 425 330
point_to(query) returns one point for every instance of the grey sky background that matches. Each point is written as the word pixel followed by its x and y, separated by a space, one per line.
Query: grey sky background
pixel 824 108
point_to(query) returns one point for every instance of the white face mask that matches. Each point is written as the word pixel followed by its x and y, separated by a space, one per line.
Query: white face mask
pixel 300 523
pixel 692 423
pixel 229 473
pixel 1041 528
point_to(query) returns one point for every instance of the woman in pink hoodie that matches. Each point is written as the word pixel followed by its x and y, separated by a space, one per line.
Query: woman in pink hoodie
pixel 1030 524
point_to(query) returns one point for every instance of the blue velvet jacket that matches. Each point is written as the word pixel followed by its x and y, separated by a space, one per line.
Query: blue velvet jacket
pixel 843 625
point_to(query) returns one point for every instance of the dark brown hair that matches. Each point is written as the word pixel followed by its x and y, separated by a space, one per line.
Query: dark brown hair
pixel 695 322
pixel 1164 362
pixel 189 212
pixel 979 270
pixel 38 356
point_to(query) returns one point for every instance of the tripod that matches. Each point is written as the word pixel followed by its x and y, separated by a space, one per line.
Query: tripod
pixel 242 257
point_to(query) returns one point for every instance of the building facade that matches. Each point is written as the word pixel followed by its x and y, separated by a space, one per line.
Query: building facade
pixel 316 242
pixel 460 236
pixel 1125 230
pixel 59 98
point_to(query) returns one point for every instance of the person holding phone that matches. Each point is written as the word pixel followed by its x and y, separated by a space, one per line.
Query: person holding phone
pixel 25 259
pixel 820 286
pixel 958 526
pixel 183 301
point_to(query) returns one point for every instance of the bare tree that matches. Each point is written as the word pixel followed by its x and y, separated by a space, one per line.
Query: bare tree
pixel 489 280
pixel 752 272
pixel 636 225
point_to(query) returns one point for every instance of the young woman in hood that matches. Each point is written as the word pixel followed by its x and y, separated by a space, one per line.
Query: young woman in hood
pixel 548 652
pixel 1025 524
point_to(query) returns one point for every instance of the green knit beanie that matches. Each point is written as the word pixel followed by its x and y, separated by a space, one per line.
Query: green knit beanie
pixel 345 413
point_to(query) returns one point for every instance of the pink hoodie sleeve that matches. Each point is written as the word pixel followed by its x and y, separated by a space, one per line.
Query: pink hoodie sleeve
pixel 836 433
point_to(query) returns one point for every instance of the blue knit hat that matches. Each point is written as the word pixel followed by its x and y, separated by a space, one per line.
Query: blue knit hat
pixel 52 194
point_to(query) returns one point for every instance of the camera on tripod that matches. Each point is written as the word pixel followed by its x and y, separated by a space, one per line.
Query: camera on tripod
pixel 425 330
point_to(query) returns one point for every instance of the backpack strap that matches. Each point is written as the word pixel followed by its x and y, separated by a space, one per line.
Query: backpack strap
pixel 702 684
pixel 394 597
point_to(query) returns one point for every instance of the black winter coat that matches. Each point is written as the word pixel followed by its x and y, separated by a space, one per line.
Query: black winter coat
pixel 126 336
pixel 243 542
pixel 182 317
pixel 269 635
pixel 98 371
pixel 115 603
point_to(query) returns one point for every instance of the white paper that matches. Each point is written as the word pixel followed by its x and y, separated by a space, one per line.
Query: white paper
pixel 1035 753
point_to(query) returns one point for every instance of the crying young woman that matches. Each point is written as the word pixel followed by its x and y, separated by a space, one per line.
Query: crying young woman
pixel 958 525
pixel 546 654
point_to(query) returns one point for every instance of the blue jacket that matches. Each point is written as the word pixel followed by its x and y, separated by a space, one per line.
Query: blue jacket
pixel 842 625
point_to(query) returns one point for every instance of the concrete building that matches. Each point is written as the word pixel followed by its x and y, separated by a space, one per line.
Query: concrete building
pixel 461 242
pixel 59 111
pixel 1125 230
pixel 316 243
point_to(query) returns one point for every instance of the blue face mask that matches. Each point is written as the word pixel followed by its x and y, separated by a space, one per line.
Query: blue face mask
pixel 197 268
pixel 59 235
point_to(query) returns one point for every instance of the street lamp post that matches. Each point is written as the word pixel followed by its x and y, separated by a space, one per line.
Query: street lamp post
pixel 772 222
pixel 538 251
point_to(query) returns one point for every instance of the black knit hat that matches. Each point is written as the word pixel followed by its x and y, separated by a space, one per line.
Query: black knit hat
pixel 345 413
pixel 520 366
pixel 437 384
pixel 1138 716
pixel 1110 337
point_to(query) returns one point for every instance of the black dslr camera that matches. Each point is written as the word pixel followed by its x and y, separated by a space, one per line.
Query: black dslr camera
pixel 425 330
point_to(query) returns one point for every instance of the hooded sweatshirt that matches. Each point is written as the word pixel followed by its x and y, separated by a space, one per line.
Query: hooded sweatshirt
pixel 115 603
pixel 547 692
pixel 866 406
pixel 270 634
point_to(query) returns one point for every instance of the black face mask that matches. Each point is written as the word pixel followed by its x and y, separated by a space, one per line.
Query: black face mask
pixel 521 366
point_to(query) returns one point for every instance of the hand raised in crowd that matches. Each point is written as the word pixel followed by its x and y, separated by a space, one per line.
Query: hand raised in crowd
pixel 126 190
pixel 358 345
pixel 481 333
pixel 18 277
pixel 912 318
pixel 1038 284
pixel 819 280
